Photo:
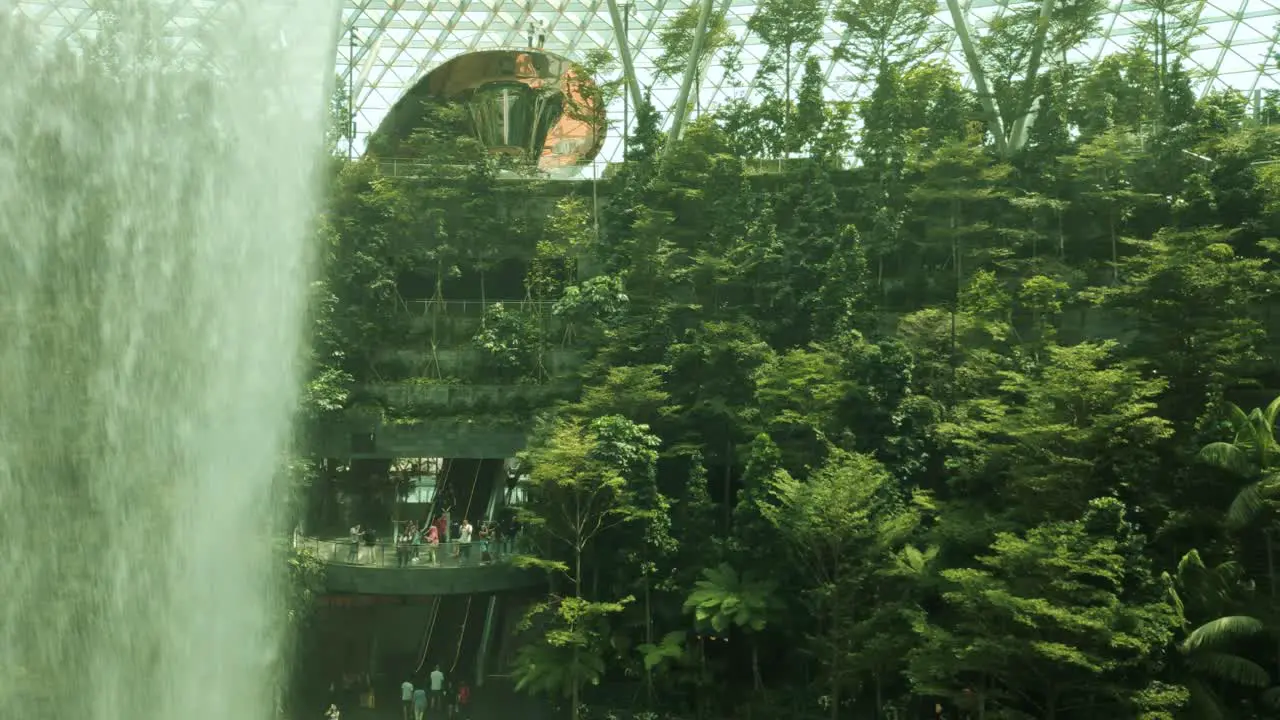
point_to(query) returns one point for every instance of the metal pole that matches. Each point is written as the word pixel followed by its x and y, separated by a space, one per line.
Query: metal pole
pixel 626 98
pixel 690 70
pixel 979 78
pixel 624 49
pixel 351 95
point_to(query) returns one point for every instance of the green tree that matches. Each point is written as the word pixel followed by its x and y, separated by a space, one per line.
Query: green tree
pixel 676 41
pixel 580 489
pixel 1188 294
pixel 1210 650
pixel 1050 621
pixel 725 599
pixel 885 35
pixel 790 27
pixel 842 527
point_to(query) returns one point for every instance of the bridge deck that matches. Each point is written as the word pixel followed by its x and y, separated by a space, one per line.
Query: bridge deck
pixel 381 569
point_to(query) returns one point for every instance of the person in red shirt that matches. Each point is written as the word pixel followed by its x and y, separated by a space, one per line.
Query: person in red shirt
pixel 433 544
pixel 464 701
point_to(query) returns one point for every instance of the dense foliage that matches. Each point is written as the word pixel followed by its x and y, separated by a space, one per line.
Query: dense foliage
pixel 966 423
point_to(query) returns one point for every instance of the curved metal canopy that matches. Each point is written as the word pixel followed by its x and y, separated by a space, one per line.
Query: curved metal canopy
pixel 387 45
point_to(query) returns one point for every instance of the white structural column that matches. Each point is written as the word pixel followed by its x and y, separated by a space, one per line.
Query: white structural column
pixel 1022 124
pixel 690 70
pixel 624 50
pixel 979 78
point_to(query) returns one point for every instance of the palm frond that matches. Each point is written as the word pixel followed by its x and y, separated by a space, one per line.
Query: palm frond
pixel 1228 456
pixel 1220 632
pixel 1247 505
pixel 1231 668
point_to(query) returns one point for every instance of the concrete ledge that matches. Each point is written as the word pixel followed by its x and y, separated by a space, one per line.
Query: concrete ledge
pixel 435 439
pixel 372 580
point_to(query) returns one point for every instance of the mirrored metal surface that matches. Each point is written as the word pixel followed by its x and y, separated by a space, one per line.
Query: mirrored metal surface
pixel 526 104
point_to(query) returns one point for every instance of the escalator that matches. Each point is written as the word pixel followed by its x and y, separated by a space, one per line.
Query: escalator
pixel 472 633
pixel 424 647
pixel 455 637
pixel 466 490
pixel 471 486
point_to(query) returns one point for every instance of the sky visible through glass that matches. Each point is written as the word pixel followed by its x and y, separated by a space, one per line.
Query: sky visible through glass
pixel 391 44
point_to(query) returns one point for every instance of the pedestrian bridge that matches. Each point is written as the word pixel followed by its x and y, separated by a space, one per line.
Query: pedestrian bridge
pixel 384 568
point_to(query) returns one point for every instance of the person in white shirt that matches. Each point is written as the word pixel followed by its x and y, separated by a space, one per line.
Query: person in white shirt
pixel 464 542
pixel 437 688
pixel 406 697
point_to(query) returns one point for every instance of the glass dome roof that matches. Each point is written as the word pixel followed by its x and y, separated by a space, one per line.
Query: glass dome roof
pixel 386 46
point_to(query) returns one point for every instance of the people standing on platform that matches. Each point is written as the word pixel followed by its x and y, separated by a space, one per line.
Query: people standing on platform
pixel 419 703
pixel 402 549
pixel 406 698
pixel 353 552
pixel 464 701
pixel 464 542
pixel 542 34
pixel 486 542
pixel 415 533
pixel 437 689
pixel 371 542
pixel 433 544
pixel 450 699
pixel 508 525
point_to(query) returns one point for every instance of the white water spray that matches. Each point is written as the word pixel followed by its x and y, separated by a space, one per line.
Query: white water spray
pixel 157 194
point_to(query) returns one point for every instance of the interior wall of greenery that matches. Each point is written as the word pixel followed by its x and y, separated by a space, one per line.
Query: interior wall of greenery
pixel 970 423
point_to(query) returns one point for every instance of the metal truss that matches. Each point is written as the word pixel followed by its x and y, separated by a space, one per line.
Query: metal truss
pixel 388 45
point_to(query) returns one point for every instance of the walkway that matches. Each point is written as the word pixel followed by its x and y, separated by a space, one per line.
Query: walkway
pixel 379 570
pixel 384 555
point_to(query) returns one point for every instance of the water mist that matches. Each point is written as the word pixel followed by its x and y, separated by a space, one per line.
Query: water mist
pixel 157 196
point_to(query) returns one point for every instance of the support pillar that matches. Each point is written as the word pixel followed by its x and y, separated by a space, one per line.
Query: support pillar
pixel 1022 125
pixel 690 71
pixel 485 637
pixel 624 50
pixel 979 78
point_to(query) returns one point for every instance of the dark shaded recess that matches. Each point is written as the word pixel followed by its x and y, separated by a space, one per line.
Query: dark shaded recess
pixel 502 280
pixel 372 495
pixel 417 109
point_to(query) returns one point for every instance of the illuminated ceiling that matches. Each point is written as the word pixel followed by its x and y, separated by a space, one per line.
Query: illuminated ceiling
pixel 393 43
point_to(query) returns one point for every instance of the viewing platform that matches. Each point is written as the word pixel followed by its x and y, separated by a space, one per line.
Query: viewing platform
pixel 382 569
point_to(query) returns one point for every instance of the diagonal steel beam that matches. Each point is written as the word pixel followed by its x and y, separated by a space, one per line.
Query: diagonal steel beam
pixel 690 70
pixel 624 49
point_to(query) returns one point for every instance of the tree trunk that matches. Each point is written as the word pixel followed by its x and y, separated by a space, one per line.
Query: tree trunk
pixel 1115 249
pixel 728 485
pixel 756 680
pixel 837 652
pixel 879 688
pixel 786 116
pixel 1271 581
pixel 577 590
pixel 648 636
pixel 576 684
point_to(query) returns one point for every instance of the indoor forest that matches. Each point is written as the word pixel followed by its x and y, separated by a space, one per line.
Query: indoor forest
pixel 826 360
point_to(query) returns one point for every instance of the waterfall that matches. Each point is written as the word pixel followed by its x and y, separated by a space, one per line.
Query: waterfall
pixel 158 191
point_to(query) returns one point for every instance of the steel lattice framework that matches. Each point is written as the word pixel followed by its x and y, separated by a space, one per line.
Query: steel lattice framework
pixel 385 46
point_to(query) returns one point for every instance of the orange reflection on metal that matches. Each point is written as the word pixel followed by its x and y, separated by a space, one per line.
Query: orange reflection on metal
pixel 576 135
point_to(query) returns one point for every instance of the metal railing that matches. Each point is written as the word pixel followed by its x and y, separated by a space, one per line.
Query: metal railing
pixel 411 167
pixel 476 308
pixel 414 168
pixel 477 553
